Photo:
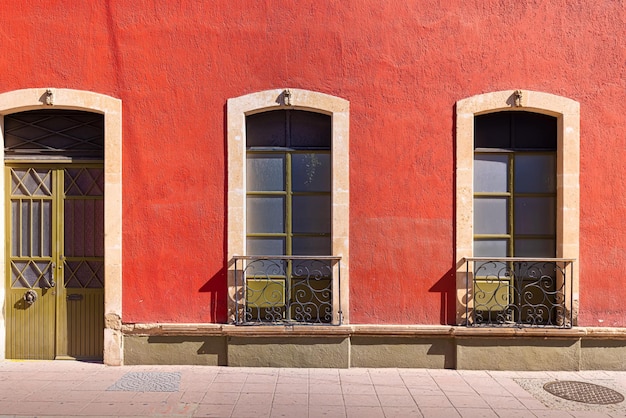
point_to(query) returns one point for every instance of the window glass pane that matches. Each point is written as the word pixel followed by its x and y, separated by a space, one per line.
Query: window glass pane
pixel 491 172
pixel 493 130
pixel 311 246
pixel 267 129
pixel 534 130
pixel 535 248
pixel 535 216
pixel 265 172
pixel 490 215
pixel 311 214
pixel 265 246
pixel 265 214
pixel 490 248
pixel 310 172
pixel 309 129
pixel 535 173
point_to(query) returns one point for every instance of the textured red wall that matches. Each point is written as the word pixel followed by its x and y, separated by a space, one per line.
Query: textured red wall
pixel 401 64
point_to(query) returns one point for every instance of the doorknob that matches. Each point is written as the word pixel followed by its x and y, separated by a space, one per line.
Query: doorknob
pixel 30 297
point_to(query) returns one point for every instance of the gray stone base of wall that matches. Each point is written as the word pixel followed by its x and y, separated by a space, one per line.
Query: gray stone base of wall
pixel 376 346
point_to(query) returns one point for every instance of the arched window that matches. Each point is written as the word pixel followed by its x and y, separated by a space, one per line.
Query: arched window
pixel 288 197
pixel 517 169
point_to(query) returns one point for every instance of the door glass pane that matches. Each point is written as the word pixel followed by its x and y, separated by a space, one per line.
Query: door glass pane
pixel 84 274
pixel 535 248
pixel 25 227
pixel 15 228
pixel 36 251
pixel 310 172
pixel 311 214
pixel 265 214
pixel 535 216
pixel 265 172
pixel 491 173
pixel 46 227
pixel 84 182
pixel 535 173
pixel 99 228
pixel 490 215
pixel 31 274
pixel 265 246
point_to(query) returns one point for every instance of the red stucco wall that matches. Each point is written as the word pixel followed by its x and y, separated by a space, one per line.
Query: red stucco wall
pixel 401 64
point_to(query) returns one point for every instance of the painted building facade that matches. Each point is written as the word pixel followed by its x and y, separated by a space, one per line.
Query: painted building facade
pixel 400 160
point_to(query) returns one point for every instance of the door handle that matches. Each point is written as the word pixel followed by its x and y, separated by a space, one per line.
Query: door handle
pixel 50 283
pixel 30 297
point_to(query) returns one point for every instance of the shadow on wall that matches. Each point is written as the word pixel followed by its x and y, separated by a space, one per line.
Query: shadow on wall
pixel 446 286
pixel 217 287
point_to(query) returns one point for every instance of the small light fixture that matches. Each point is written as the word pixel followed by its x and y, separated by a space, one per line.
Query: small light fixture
pixel 287 97
pixel 49 97
pixel 518 98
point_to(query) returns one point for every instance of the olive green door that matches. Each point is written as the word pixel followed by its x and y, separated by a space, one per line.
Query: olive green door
pixel 55 261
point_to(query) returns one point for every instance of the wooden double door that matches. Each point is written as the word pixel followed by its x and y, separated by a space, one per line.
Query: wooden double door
pixel 54 260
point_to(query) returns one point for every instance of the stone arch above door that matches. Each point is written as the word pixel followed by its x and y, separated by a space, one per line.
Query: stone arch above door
pixel 58 98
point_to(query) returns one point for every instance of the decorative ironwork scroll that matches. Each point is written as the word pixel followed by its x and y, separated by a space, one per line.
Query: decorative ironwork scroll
pixel 287 290
pixel 519 292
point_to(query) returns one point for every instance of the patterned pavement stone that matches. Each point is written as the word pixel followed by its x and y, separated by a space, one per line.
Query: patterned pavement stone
pixel 147 382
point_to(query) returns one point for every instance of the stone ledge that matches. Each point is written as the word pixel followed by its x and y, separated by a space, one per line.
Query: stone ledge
pixel 168 329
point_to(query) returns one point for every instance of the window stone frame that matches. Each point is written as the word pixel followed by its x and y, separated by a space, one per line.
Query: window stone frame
pixel 567 112
pixel 236 111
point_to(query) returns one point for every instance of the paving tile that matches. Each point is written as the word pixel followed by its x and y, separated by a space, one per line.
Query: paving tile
pixel 392 390
pixel 503 402
pixel 252 411
pixel 291 388
pixel 477 413
pixel 289 411
pixel 291 399
pixel 552 414
pixel 326 399
pixel 402 412
pixel 396 400
pixel 434 412
pixel 463 401
pixel 360 400
pixel 220 411
pixel 254 399
pixel 189 396
pixel 358 389
pixel 325 388
pixel 220 398
pixel 258 387
pixel 230 387
pixel 326 411
pixel 434 401
pixel 364 412
pixel 513 413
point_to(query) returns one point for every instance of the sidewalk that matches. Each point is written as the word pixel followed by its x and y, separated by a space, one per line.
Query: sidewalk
pixel 69 388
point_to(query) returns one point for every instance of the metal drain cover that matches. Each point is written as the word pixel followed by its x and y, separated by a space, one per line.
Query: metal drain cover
pixel 583 392
pixel 147 382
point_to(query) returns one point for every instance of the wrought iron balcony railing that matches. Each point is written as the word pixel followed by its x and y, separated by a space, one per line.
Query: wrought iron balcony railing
pixel 287 290
pixel 518 292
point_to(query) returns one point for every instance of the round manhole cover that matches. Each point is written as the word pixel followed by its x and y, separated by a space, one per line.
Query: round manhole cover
pixel 583 392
